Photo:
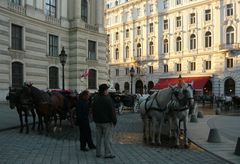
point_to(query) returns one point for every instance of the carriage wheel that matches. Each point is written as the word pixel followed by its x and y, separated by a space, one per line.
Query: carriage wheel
pixel 120 109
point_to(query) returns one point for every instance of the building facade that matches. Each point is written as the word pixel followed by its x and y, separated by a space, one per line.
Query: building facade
pixel 165 38
pixel 33 33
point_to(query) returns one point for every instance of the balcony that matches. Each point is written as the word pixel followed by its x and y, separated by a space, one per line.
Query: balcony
pixel 52 20
pixel 229 46
pixel 16 8
pixel 91 27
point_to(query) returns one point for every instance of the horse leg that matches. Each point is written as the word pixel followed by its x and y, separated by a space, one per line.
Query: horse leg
pixel 176 132
pixel 26 121
pixel 145 129
pixel 159 132
pixel 34 118
pixel 21 119
pixel 55 123
pixel 153 131
pixel 46 121
pixel 185 133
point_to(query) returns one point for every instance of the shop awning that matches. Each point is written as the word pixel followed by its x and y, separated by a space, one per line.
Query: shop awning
pixel 198 82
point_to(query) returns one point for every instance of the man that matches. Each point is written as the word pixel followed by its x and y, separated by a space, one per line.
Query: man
pixel 104 116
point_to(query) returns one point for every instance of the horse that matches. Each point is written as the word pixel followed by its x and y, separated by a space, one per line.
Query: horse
pixel 236 101
pixel 47 105
pixel 178 111
pixel 152 110
pixel 17 100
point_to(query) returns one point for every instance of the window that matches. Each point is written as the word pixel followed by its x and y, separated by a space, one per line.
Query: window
pixel 18 2
pixel 92 52
pixel 165 66
pixel 53 78
pixel 127 52
pixel 165 4
pixel 165 46
pixel 108 38
pixel 178 44
pixel 138 70
pixel 151 27
pixel 150 68
pixel 229 9
pixel 17 37
pixel 192 18
pixel 116 36
pixel 138 30
pixel 84 10
pixel 208 65
pixel 178 2
pixel 126 71
pixel 51 8
pixel 207 15
pixel 53 45
pixel 229 63
pixel 230 35
pixel 151 8
pixel 116 19
pixel 192 42
pixel 92 79
pixel 208 39
pixel 17 74
pixel 138 11
pixel 116 3
pixel 117 54
pixel 151 48
pixel 165 24
pixel 178 21
pixel 192 66
pixel 179 67
pixel 139 50
pixel 117 72
pixel 127 33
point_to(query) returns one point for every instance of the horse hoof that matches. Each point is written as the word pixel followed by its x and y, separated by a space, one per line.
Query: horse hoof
pixel 186 146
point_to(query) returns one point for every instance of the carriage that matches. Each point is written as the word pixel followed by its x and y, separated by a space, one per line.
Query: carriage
pixel 123 101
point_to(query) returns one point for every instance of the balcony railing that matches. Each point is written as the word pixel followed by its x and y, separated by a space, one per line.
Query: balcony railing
pixel 52 20
pixel 16 8
pixel 91 27
pixel 229 46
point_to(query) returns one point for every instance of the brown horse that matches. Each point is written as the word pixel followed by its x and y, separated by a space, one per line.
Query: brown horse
pixel 23 105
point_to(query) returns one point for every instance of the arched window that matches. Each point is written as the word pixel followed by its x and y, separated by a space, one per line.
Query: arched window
pixel 229 87
pixel 139 50
pixel 178 44
pixel 117 87
pixel 126 87
pixel 165 46
pixel 84 10
pixel 127 52
pixel 208 39
pixel 53 78
pixel 116 54
pixel 230 35
pixel 192 42
pixel 92 79
pixel 17 74
pixel 151 48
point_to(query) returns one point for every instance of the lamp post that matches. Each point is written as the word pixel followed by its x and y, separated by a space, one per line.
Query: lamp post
pixel 132 71
pixel 63 59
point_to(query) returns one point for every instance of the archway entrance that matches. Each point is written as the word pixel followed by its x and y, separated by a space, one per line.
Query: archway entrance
pixel 126 87
pixel 139 86
pixel 150 85
pixel 117 87
pixel 207 89
pixel 229 87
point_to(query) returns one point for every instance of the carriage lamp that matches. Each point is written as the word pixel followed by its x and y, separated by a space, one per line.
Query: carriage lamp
pixel 63 59
pixel 132 71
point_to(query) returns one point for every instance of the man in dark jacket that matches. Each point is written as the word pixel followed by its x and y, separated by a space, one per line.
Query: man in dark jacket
pixel 104 116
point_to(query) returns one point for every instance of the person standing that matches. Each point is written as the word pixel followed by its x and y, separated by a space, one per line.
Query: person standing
pixel 104 116
pixel 82 111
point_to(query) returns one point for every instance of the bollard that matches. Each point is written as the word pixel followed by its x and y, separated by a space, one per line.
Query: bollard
pixel 200 114
pixel 218 111
pixel 237 149
pixel 193 118
pixel 214 136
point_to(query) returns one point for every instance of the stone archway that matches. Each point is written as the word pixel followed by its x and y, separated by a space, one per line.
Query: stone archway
pixel 229 87
pixel 150 85
pixel 117 87
pixel 207 89
pixel 126 87
pixel 139 87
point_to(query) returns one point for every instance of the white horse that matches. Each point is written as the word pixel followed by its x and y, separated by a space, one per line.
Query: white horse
pixel 178 111
pixel 153 111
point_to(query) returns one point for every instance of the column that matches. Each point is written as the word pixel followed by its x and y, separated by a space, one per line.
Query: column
pixel 99 14
pixel 77 9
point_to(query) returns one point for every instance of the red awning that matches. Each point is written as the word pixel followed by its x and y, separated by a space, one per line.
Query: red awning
pixel 198 82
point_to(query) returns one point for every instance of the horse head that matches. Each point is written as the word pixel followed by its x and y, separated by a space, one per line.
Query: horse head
pixel 187 91
pixel 13 97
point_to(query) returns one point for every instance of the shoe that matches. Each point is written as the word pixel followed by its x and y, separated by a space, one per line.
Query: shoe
pixel 110 156
pixel 98 156
pixel 84 149
pixel 92 147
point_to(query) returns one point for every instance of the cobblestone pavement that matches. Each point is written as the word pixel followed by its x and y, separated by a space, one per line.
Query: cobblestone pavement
pixel 63 147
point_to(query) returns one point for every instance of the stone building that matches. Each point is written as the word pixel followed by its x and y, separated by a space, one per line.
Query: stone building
pixel 161 39
pixel 33 33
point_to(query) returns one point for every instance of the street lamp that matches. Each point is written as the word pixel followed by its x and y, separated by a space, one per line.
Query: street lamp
pixel 63 59
pixel 132 71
